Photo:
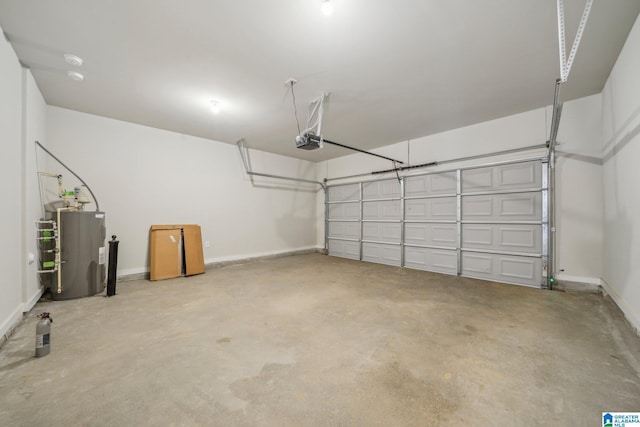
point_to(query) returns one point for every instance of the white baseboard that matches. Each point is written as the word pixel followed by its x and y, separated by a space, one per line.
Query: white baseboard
pixel 259 255
pixel 32 301
pixel 568 282
pixel 592 284
pixel 131 271
pixel 630 313
pixel 579 279
pixel 14 319
pixel 10 324
pixel 143 273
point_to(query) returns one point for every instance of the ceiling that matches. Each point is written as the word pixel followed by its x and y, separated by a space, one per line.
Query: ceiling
pixel 395 70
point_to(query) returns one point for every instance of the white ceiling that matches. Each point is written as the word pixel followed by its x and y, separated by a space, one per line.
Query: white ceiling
pixel 396 70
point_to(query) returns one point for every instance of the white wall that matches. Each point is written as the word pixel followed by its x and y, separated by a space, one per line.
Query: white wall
pixel 10 179
pixel 579 176
pixel 520 130
pixel 34 129
pixel 579 192
pixel 621 136
pixel 21 120
pixel 143 176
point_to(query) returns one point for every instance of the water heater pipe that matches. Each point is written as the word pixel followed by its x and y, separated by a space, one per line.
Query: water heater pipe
pixel 72 172
pixel 58 177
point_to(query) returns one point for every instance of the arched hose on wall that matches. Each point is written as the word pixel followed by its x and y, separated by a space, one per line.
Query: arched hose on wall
pixel 72 172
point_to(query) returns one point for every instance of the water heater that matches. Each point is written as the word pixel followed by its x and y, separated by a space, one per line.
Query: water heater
pixel 82 255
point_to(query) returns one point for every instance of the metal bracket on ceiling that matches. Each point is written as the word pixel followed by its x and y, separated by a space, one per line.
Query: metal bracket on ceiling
pixel 566 63
pixel 316 110
pixel 311 138
pixel 247 168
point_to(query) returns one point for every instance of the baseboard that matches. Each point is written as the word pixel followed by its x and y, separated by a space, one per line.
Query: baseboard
pixel 7 328
pixel 632 317
pixel 27 306
pixel 143 274
pixel 16 317
pixel 567 282
pixel 128 277
pixel 226 261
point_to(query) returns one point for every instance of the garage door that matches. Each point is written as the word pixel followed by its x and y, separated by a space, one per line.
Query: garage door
pixel 344 228
pixel 488 222
pixel 501 223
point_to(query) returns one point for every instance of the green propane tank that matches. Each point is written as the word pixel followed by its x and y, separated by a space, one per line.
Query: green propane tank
pixel 43 335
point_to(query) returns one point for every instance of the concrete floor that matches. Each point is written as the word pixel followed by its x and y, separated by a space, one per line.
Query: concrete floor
pixel 315 340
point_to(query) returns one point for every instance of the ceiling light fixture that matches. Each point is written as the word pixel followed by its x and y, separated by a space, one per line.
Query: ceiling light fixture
pixel 327 7
pixel 215 107
pixel 73 59
pixel 74 75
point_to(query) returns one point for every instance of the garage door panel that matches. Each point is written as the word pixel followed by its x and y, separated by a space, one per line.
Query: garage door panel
pixel 485 222
pixel 381 254
pixel 477 236
pixel 344 211
pixel 503 177
pixel 344 249
pixel 477 180
pixel 431 185
pixel 503 207
pixel 381 189
pixel 503 237
pixel 518 205
pixel 382 210
pixel 438 260
pixel 477 206
pixel 502 268
pixel 431 234
pixel 342 193
pixel 441 208
pixel 345 230
pixel 381 232
pixel 519 175
pixel 524 238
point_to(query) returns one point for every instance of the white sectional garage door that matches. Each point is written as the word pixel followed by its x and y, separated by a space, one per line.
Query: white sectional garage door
pixel 488 222
pixel 344 228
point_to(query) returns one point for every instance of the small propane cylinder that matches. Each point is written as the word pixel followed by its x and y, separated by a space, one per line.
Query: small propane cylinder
pixel 43 334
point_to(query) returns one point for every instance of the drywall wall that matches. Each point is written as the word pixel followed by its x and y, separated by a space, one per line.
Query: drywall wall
pixel 578 251
pixel 520 130
pixel 143 176
pixel 621 151
pixel 10 179
pixel 34 129
pixel 579 192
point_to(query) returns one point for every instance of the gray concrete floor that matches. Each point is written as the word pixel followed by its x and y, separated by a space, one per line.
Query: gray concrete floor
pixel 315 340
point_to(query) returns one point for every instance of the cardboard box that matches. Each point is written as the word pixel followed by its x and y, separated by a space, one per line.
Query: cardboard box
pixel 193 256
pixel 175 250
